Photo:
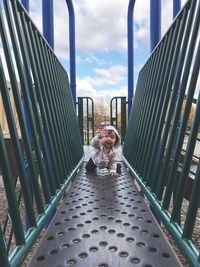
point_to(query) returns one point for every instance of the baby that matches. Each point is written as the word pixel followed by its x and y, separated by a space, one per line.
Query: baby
pixel 105 153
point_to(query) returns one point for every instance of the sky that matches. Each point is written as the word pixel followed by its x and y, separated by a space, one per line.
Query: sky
pixel 101 41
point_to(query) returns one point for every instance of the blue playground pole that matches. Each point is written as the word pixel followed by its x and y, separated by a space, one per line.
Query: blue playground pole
pixel 176 7
pixel 130 55
pixel 25 3
pixel 47 21
pixel 155 23
pixel 72 49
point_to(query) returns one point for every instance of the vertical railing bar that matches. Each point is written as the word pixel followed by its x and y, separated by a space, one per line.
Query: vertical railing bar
pixel 17 148
pixel 25 93
pixel 58 98
pixel 48 104
pixel 34 100
pixel 182 86
pixel 172 104
pixel 32 109
pixel 50 91
pixel 162 108
pixel 157 106
pixel 63 96
pixel 152 107
pixel 10 193
pixel 43 105
pixel 3 255
pixel 20 114
pixel 169 87
pixel 183 126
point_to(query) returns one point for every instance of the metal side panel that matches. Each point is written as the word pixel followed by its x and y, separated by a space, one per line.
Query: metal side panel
pixel 104 222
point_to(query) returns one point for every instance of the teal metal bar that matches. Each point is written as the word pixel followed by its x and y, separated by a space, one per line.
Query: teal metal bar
pixel 10 193
pixel 182 87
pixel 20 114
pixel 3 255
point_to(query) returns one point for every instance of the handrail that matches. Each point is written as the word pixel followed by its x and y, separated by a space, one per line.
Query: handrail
pixel 48 21
pixel 130 55
pixel 72 49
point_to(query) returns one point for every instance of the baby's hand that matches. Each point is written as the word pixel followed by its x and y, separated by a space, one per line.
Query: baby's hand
pixel 113 174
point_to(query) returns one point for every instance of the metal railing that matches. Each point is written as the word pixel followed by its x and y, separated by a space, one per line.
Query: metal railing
pixel 118 115
pixel 51 150
pixel 86 119
pixel 158 127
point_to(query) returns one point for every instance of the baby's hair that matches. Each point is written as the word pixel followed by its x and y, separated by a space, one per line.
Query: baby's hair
pixel 117 138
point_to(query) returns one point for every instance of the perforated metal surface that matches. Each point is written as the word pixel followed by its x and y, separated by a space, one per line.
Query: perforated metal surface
pixel 104 222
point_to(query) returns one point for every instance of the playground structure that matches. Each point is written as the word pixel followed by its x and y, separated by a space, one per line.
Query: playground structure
pixel 110 213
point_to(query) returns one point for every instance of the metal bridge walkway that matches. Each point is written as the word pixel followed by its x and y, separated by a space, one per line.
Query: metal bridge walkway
pixel 104 222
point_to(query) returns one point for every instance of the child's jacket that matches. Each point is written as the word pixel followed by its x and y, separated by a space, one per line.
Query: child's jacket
pixel 102 157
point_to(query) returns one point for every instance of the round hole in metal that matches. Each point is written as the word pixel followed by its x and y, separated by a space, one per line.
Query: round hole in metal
pixel 82 213
pixel 89 211
pixel 65 246
pixel 111 231
pixel 85 236
pixel 75 216
pixel 139 218
pixel 135 260
pixel 123 212
pixel 78 207
pixel 103 265
pixel 131 215
pixel 144 231
pixel 103 243
pixel 126 224
pixel 135 227
pixel 103 215
pixel 130 239
pixel 57 223
pixel 123 254
pixel 120 235
pixel 103 227
pixel 118 221
pixel 71 229
pixel 95 219
pixel 66 220
pixel 53 252
pixel 40 258
pixel 62 212
pixel 111 218
pixel 60 234
pixel 113 249
pixel 93 249
pixel 140 244
pixel 71 262
pixel 152 249
pixel 95 232
pixel 88 221
pixel 76 240
pixel 165 255
pixel 80 225
pixel 83 255
pixel 50 238
pixel 156 236
pixel 149 221
pixel 148 265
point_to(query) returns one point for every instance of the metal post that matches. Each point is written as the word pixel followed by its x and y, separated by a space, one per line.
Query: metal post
pixel 130 55
pixel 48 22
pixel 25 3
pixel 155 22
pixel 176 7
pixel 72 49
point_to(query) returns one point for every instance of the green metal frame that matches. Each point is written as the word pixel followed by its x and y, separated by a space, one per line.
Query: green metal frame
pixel 114 118
pixel 88 115
pixel 158 125
pixel 52 150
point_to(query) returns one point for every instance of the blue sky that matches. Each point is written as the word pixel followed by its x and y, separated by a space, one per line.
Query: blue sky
pixel 101 41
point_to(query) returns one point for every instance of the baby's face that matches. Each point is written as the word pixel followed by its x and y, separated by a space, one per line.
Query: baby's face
pixel 109 139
